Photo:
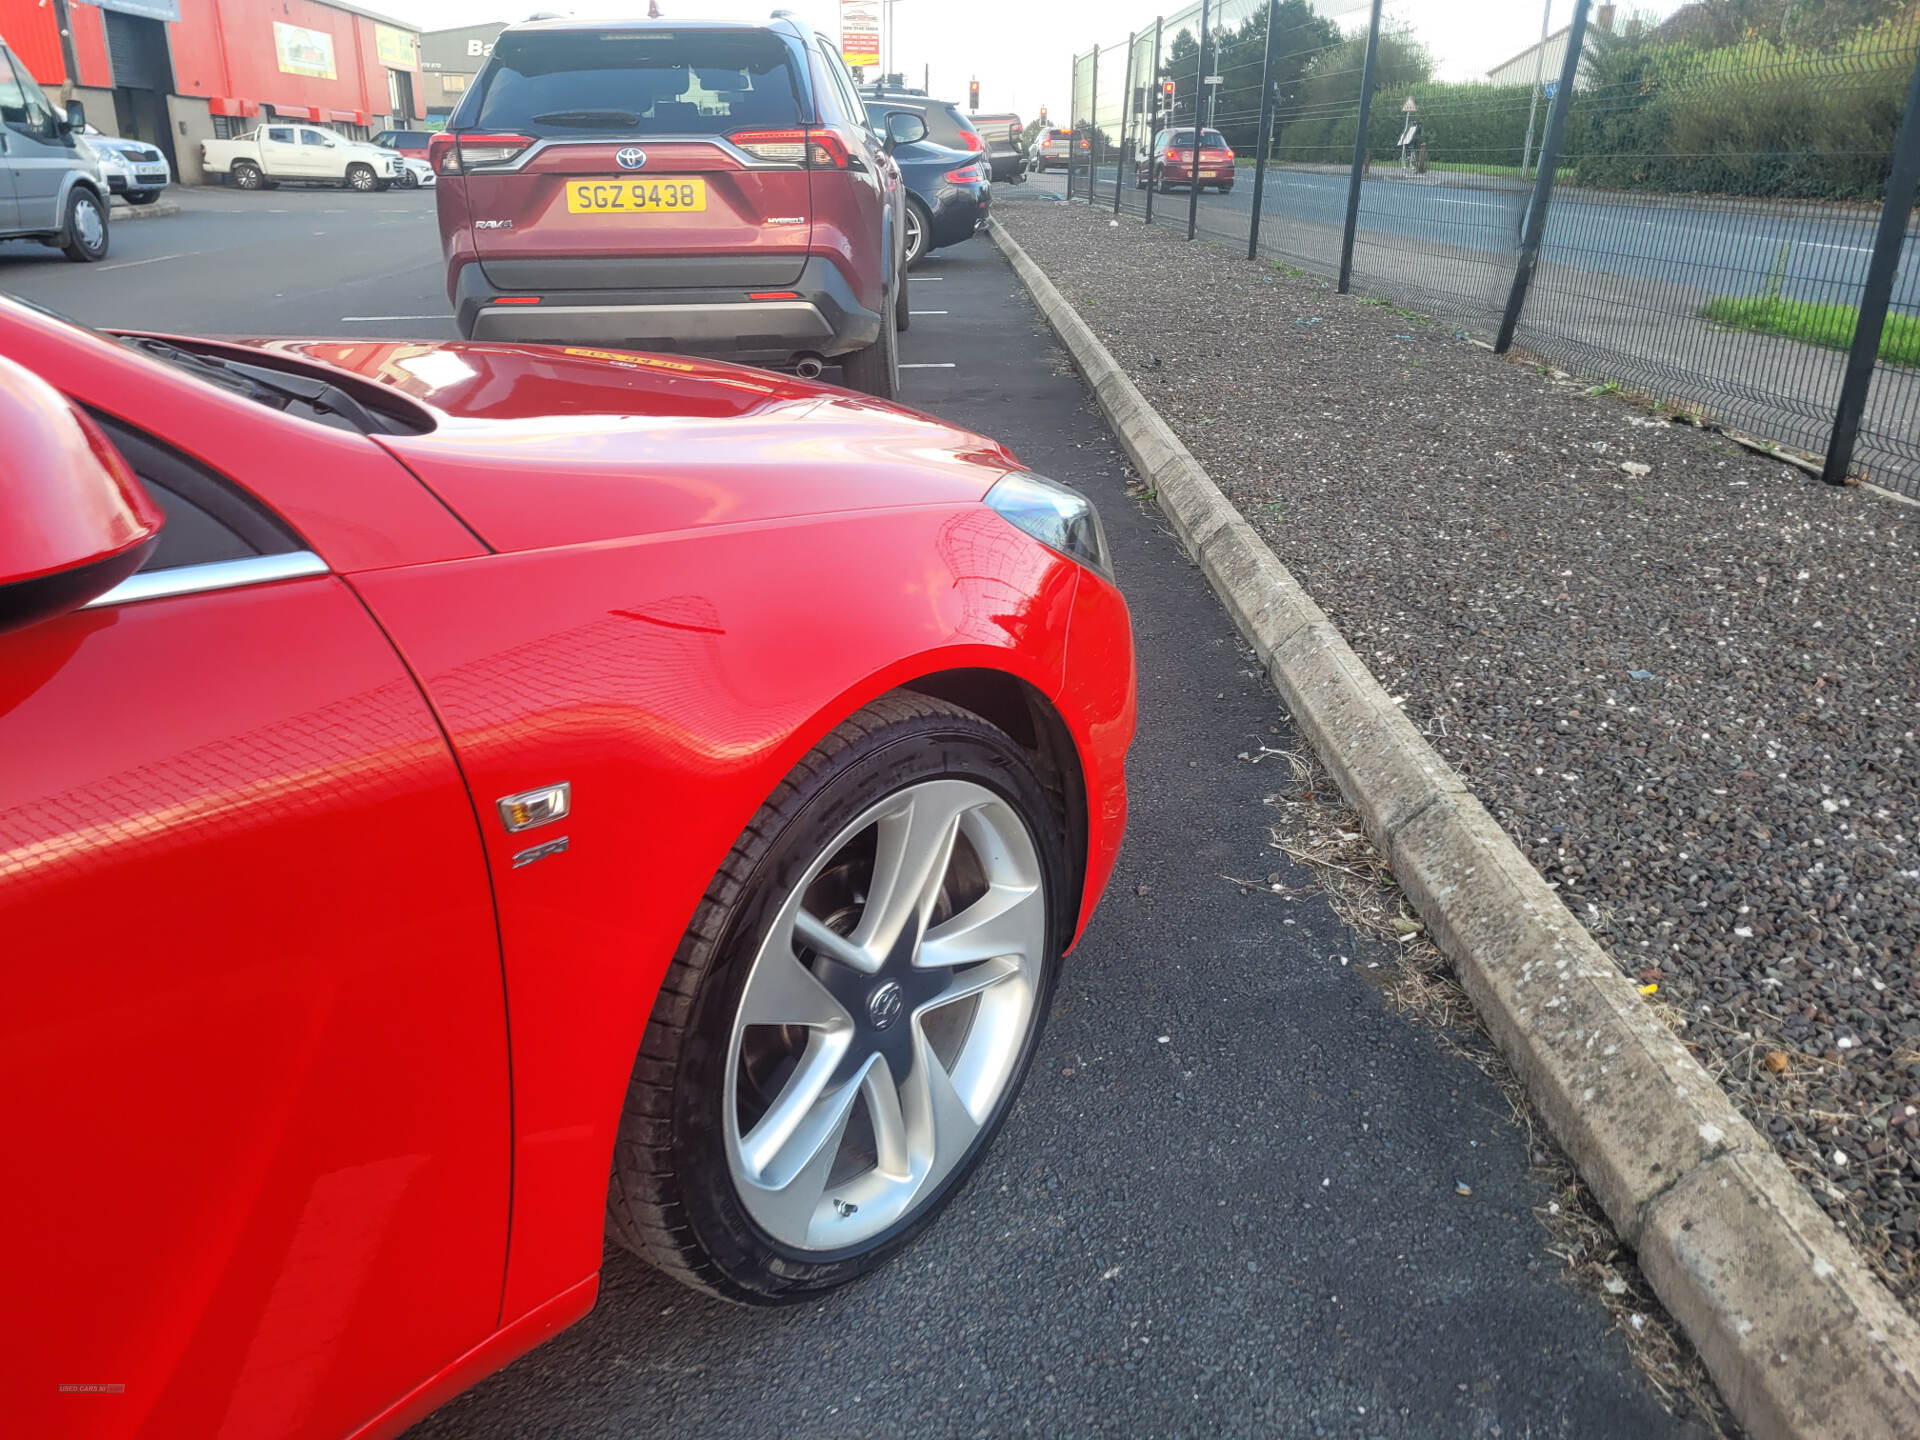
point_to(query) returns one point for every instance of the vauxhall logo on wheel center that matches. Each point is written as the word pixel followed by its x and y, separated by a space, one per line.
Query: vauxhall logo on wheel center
pixel 883 1006
pixel 631 158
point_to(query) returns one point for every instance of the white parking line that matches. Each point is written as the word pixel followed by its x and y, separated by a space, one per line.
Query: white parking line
pixel 929 365
pixel 150 260
pixel 926 312
pixel 370 319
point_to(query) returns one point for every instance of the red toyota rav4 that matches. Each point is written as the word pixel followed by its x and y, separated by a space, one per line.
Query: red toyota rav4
pixel 684 185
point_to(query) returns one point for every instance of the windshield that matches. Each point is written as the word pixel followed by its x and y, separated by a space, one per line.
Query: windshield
pixel 646 82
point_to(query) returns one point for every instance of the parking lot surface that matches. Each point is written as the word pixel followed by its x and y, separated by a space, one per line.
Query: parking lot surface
pixel 1228 1201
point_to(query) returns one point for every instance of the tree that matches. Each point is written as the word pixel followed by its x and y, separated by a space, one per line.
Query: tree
pixel 1318 125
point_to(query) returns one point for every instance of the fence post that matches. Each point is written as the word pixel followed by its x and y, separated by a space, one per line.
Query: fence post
pixel 1359 149
pixel 1153 111
pixel 1073 122
pixel 1536 227
pixel 1266 127
pixel 1093 121
pixel 1894 212
pixel 1126 108
pixel 1199 88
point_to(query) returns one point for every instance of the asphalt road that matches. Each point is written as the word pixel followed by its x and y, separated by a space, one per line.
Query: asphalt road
pixel 1226 1202
pixel 1725 247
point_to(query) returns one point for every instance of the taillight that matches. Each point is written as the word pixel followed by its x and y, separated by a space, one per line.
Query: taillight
pixel 451 154
pixel 819 148
pixel 971 141
pixel 965 175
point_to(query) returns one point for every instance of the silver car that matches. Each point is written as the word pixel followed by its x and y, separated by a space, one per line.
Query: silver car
pixel 51 188
pixel 144 169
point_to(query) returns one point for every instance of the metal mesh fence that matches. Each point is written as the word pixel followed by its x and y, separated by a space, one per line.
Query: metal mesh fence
pixel 1713 209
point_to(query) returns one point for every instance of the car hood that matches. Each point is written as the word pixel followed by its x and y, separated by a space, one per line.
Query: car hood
pixel 536 446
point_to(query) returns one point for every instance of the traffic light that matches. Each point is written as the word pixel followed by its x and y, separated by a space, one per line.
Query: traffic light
pixel 1166 88
pixel 973 95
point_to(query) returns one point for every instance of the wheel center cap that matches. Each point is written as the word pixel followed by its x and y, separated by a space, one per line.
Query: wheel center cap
pixel 885 1004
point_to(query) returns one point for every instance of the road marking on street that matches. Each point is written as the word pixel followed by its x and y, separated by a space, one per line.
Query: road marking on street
pixel 371 319
pixel 150 260
pixel 1822 245
pixel 929 365
pixel 926 312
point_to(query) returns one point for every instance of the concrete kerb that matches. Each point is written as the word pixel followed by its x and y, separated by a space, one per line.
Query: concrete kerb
pixel 1801 1338
pixel 120 211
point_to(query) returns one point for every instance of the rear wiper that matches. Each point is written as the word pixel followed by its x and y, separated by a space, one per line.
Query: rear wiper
pixel 586 118
pixel 275 389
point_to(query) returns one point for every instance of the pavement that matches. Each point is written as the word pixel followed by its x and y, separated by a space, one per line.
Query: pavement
pixel 1228 1200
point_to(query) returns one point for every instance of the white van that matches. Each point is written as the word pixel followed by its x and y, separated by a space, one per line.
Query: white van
pixel 50 189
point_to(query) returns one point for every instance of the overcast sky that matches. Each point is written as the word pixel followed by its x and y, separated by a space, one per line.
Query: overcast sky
pixel 1022 51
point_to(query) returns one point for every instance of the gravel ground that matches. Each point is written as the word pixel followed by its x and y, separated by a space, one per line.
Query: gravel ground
pixel 1682 676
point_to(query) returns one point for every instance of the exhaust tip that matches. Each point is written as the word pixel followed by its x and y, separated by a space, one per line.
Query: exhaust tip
pixel 809 367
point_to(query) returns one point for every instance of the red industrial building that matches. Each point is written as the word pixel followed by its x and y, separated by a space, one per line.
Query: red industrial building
pixel 176 72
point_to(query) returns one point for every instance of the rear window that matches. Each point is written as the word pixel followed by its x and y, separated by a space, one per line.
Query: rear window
pixel 1209 139
pixel 416 138
pixel 1059 136
pixel 639 82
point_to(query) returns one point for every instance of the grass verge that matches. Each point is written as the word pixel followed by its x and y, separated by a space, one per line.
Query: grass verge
pixel 1816 324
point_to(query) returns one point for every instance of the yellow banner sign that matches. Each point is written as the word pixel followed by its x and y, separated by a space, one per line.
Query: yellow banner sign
pixel 397 49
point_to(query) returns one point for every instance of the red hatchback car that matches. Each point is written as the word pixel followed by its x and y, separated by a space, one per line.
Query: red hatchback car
pixel 1171 161
pixel 446 785
pixel 682 186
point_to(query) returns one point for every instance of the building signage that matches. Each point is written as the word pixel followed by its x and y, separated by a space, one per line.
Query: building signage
pixel 303 52
pixel 168 10
pixel 398 49
pixel 860 32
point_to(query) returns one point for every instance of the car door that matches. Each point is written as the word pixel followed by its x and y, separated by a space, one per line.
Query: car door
pixel 40 154
pixel 320 155
pixel 9 211
pixel 279 150
pixel 253 1056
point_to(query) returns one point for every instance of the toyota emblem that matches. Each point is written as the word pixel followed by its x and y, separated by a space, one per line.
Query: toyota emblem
pixel 631 158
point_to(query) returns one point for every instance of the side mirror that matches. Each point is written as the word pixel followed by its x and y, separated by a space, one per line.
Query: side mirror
pixel 78 522
pixel 76 115
pixel 904 128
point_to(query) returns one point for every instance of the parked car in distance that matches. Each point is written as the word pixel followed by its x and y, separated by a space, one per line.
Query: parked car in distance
pixel 1170 161
pixel 411 143
pixel 419 175
pixel 1002 136
pixel 289 153
pixel 1053 150
pixel 143 171
pixel 949 194
pixel 947 123
pixel 598 765
pixel 52 189
pixel 684 185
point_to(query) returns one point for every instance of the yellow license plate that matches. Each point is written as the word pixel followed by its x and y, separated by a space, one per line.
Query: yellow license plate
pixel 663 194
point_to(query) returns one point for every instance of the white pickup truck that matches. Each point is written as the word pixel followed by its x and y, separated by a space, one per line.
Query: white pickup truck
pixel 292 154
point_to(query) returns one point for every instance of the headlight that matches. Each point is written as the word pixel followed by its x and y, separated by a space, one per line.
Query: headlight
pixel 1058 517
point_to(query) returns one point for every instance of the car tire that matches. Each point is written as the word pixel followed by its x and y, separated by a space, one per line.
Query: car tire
pixel 875 370
pixel 142 197
pixel 362 178
pixel 1227 189
pixel 902 316
pixel 248 176
pixel 919 232
pixel 83 235
pixel 679 1195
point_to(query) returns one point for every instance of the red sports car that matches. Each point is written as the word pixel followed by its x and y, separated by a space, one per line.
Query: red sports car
pixel 456 800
